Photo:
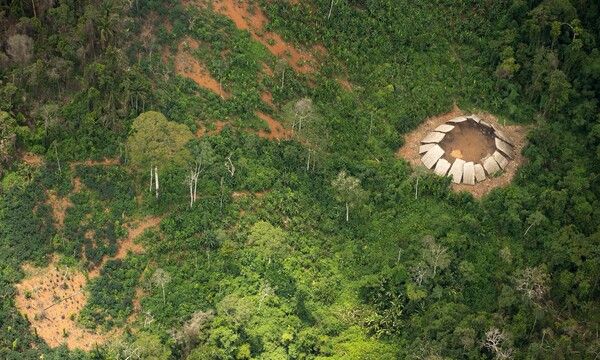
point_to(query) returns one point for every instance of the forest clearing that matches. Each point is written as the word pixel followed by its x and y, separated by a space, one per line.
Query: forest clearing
pixel 241 179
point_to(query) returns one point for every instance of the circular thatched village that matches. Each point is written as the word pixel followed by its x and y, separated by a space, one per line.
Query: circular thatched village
pixel 467 149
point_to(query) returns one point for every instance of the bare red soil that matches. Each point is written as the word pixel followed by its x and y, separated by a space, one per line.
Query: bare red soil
pixel 187 65
pixel 267 98
pixel 52 297
pixel 276 129
pixel 135 229
pixel 251 18
pixel 43 287
pixel 56 324
pixel 219 126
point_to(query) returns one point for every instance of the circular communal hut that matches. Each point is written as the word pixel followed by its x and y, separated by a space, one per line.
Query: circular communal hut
pixel 466 148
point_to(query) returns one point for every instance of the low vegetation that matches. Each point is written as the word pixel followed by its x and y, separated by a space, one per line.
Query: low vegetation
pixel 312 245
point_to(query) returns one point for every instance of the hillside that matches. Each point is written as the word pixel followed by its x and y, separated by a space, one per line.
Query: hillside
pixel 244 180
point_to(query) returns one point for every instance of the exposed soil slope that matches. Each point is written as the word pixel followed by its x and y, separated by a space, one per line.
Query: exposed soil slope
pixel 251 18
pixel 187 65
pixel 56 324
pixel 52 297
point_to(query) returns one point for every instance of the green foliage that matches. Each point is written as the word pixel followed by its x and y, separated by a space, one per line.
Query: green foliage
pixel 26 223
pixel 261 265
pixel 111 295
pixel 155 140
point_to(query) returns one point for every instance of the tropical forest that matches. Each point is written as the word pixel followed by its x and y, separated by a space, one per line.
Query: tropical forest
pixel 299 179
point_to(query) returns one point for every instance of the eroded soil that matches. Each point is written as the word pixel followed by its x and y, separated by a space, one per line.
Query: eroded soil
pixel 52 297
pixel 56 322
pixel 276 129
pixel 251 18
pixel 188 65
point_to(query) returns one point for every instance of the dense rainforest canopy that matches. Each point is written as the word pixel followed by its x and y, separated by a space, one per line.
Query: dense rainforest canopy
pixel 250 148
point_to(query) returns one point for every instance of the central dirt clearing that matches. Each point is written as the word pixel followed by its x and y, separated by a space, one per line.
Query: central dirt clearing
pixel 410 150
pixel 469 142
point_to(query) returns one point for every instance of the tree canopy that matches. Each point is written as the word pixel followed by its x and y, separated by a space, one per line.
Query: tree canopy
pixel 287 225
pixel 155 140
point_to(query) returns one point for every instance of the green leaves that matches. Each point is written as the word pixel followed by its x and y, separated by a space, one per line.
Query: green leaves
pixel 157 141
pixel 348 191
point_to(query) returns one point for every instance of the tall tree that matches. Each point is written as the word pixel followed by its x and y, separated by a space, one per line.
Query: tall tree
pixel 203 156
pixel 435 255
pixel 348 191
pixel 307 122
pixel 156 141
pixel 269 238
pixel 161 278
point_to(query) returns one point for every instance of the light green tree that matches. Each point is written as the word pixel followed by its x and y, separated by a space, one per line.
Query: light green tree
pixel 269 238
pixel 156 141
pixel 348 191
pixel 161 278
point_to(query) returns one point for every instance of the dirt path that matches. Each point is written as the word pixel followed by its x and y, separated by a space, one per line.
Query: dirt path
pixel 276 129
pixel 267 98
pixel 135 229
pixel 410 150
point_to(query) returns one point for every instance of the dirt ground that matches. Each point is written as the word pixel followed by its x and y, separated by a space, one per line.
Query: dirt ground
pixel 40 293
pixel 56 324
pixel 59 207
pixel 251 18
pixel 276 129
pixel 410 150
pixel 202 130
pixel 469 142
pixel 32 159
pixel 187 65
